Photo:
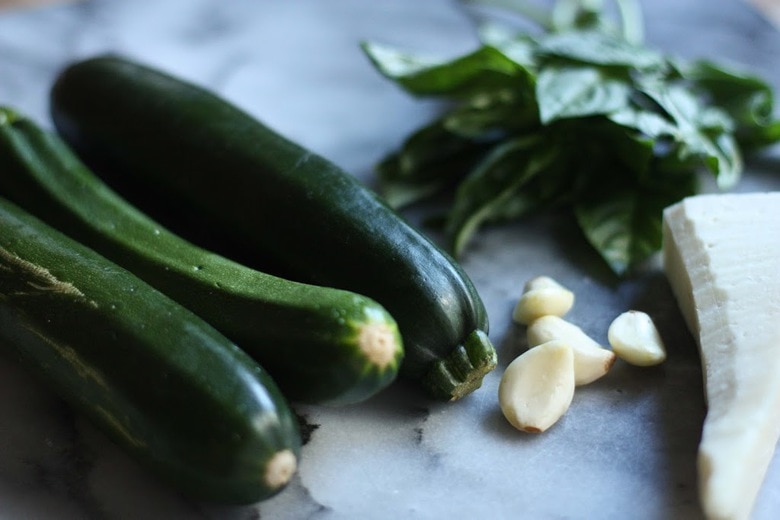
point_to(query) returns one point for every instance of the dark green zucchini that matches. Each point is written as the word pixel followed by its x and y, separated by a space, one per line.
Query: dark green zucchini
pixel 164 385
pixel 321 345
pixel 225 171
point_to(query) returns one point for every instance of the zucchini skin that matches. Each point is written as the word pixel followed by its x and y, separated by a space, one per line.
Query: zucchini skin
pixel 283 204
pixel 168 388
pixel 322 345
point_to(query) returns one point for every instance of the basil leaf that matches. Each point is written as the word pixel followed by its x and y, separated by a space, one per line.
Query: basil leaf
pixel 625 224
pixel 721 156
pixel 609 225
pixel 714 121
pixel 569 92
pixel 549 189
pixel 484 68
pixel 534 13
pixel 760 136
pixel 599 48
pixel 647 123
pixel 505 111
pixel 614 203
pixel 746 98
pixel 570 15
pixel 430 153
pixel 580 116
pixel 398 194
pixel 619 227
pixel 718 151
pixel 519 48
pixel 494 181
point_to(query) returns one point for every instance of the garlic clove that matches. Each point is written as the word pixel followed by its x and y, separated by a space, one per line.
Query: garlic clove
pixel 537 387
pixel 542 296
pixel 591 360
pixel 635 339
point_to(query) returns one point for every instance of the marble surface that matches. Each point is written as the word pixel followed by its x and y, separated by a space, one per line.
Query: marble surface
pixel 626 448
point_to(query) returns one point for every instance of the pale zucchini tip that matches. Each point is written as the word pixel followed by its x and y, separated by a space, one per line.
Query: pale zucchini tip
pixel 380 343
pixel 280 469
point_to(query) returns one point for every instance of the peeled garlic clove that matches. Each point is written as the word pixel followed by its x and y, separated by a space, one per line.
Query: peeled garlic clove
pixel 591 360
pixel 635 339
pixel 541 282
pixel 542 296
pixel 537 388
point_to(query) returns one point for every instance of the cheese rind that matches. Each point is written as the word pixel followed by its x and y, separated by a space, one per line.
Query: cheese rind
pixel 721 256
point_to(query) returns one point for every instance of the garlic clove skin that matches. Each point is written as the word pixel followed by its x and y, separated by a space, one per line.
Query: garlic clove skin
pixel 591 360
pixel 635 339
pixel 537 388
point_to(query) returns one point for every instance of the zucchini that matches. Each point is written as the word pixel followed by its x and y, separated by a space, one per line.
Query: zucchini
pixel 232 175
pixel 161 383
pixel 321 345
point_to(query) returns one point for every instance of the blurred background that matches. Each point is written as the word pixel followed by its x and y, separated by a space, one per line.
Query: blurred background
pixel 770 8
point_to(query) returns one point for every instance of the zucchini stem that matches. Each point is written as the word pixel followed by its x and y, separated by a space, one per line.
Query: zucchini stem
pixel 462 371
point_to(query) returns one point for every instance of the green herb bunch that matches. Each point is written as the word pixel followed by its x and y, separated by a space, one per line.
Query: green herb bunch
pixel 578 116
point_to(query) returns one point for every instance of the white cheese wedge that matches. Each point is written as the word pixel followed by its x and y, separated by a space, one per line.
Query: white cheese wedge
pixel 722 258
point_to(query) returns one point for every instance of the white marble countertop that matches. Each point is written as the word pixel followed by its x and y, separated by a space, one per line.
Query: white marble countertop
pixel 626 448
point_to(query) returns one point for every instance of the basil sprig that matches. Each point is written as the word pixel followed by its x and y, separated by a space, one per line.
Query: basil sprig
pixel 579 116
